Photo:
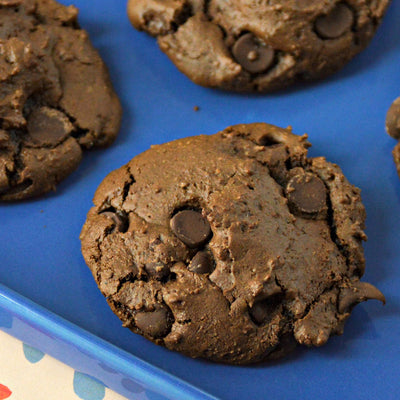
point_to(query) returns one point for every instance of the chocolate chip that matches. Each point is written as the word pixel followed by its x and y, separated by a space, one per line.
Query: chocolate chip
pixel 307 196
pixel 155 323
pixel 48 126
pixel 336 23
pixel 191 228
pixel 202 263
pixel 157 270
pixel 393 119
pixel 119 218
pixel 252 54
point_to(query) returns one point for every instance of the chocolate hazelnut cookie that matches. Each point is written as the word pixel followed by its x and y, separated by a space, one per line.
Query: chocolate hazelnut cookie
pixel 55 96
pixel 249 45
pixel 231 247
pixel 393 129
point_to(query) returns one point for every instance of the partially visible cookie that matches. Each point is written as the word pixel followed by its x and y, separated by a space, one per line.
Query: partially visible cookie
pixel 250 45
pixel 56 97
pixel 393 129
pixel 233 247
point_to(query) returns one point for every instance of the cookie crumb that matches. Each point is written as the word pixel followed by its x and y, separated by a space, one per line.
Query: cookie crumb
pixel 196 108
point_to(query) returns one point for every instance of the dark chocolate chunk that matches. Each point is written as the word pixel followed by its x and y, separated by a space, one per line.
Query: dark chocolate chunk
pixel 252 54
pixel 155 323
pixel 333 25
pixel 307 195
pixel 48 126
pixel 191 228
pixel 202 263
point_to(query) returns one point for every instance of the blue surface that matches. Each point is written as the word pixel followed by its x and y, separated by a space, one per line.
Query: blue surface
pixel 344 117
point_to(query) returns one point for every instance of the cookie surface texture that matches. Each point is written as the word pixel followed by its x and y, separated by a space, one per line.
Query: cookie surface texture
pixel 56 97
pixel 249 45
pixel 393 129
pixel 231 247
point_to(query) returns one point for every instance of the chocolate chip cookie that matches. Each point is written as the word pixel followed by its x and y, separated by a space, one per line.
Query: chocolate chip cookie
pixel 231 247
pixel 55 96
pixel 393 129
pixel 250 45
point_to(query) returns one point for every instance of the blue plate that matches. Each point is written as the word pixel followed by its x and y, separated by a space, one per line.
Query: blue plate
pixel 344 117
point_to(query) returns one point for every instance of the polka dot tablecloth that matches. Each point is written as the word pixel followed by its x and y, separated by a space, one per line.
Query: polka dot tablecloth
pixel 28 374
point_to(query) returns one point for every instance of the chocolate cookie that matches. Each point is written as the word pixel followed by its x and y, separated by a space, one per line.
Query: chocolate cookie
pixel 55 96
pixel 393 129
pixel 232 247
pixel 250 45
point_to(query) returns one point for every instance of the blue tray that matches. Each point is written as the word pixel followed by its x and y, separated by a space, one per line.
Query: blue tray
pixel 40 256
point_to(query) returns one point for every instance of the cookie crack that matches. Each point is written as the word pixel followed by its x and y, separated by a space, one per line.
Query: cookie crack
pixel 77 132
pixel 47 146
pixel 99 241
pixel 332 226
pixel 317 299
pixel 279 284
pixel 156 25
pixel 206 11
pixel 131 277
pixel 330 213
pixel 128 185
pixel 13 176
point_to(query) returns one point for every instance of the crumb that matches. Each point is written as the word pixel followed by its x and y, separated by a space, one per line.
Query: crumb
pixel 196 108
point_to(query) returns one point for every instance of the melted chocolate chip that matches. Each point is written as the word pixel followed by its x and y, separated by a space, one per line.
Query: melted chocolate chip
pixel 48 126
pixel 191 228
pixel 119 218
pixel 252 54
pixel 360 291
pixel 393 119
pixel 336 23
pixel 307 196
pixel 202 263
pixel 155 323
pixel 157 270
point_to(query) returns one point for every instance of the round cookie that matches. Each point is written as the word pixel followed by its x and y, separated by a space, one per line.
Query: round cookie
pixel 56 97
pixel 393 129
pixel 231 247
pixel 249 45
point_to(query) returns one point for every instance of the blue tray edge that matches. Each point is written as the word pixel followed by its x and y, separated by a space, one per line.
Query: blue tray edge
pixel 83 351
